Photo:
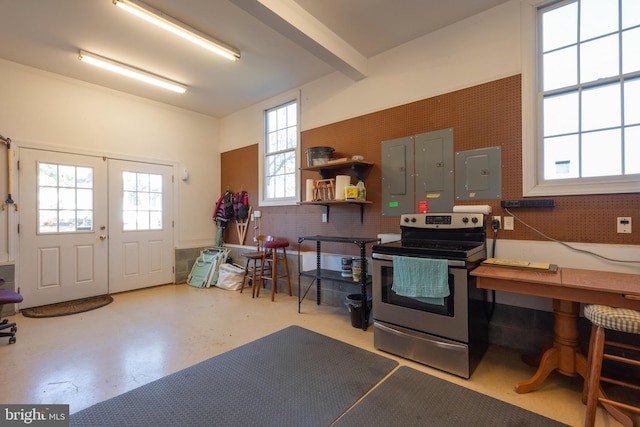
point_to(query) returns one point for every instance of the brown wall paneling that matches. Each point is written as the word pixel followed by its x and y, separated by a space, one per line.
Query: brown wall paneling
pixel 239 171
pixel 486 115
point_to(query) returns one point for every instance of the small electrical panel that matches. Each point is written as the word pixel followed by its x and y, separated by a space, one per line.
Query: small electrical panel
pixel 479 174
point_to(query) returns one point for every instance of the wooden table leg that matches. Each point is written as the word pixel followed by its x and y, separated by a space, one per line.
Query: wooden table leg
pixel 534 359
pixel 564 352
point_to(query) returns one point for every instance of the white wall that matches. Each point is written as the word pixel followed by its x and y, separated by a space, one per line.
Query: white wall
pixel 40 109
pixel 481 49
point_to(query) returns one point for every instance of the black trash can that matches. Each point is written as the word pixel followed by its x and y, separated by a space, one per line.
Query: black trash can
pixel 354 302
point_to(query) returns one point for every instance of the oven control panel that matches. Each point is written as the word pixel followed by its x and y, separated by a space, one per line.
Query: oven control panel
pixel 453 220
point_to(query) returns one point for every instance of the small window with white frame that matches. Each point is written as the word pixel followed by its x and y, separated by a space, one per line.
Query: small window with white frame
pixel 280 159
pixel 588 96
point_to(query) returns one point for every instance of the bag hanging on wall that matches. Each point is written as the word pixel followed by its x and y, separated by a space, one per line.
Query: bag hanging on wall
pixel 241 205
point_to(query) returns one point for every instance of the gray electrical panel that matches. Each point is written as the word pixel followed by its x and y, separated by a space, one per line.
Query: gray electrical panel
pixel 397 176
pixel 417 173
pixel 479 174
pixel 434 171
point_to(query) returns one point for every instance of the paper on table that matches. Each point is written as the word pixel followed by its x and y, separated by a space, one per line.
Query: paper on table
pixel 519 264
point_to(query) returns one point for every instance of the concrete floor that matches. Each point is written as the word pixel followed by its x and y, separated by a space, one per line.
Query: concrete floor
pixel 144 335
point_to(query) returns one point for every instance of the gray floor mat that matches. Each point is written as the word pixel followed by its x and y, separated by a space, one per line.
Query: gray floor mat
pixel 412 398
pixel 294 377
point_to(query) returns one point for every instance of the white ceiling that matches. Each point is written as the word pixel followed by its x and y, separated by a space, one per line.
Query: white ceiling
pixel 278 41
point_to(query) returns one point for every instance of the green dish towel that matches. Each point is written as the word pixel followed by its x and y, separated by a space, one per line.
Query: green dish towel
pixel 424 279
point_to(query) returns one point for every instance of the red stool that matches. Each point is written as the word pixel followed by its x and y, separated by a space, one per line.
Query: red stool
pixel 9 297
pixel 274 251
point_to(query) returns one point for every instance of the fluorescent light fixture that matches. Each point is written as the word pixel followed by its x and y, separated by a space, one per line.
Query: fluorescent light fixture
pixel 127 70
pixel 178 28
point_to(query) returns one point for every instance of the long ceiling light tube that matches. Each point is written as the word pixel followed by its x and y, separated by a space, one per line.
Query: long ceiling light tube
pixel 129 71
pixel 176 27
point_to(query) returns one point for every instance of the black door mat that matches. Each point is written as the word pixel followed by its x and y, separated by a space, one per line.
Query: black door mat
pixel 68 307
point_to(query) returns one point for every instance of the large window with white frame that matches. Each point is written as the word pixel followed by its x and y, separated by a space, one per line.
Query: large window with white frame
pixel 280 159
pixel 588 96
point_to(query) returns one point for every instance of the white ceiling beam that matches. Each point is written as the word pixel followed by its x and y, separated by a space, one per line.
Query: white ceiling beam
pixel 291 20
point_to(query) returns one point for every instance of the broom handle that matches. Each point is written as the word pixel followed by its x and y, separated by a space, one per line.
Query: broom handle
pixel 7 142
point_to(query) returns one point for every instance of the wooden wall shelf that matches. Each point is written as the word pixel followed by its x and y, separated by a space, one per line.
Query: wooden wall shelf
pixel 325 170
pixel 328 170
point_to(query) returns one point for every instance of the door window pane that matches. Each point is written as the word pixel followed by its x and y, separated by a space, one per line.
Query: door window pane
pixel 67 176
pixel 141 201
pixel 65 198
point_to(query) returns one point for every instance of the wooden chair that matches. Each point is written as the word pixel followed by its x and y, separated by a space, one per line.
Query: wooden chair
pixel 618 319
pixel 252 265
pixel 274 251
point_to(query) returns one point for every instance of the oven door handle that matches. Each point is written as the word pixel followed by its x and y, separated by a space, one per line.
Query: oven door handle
pixel 451 262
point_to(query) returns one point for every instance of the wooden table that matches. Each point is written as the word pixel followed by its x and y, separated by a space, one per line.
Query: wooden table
pixel 568 287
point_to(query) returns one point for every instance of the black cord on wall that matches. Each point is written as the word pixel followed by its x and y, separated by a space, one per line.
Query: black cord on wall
pixel 495 225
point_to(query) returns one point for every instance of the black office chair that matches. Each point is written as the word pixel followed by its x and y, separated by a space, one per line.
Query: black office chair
pixel 8 297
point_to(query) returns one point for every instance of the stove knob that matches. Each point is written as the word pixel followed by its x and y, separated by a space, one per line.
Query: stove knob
pixel 406 219
pixel 414 219
pixel 465 219
pixel 474 220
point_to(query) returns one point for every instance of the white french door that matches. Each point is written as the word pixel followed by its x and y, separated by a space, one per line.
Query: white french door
pixel 63 218
pixel 87 228
pixel 140 225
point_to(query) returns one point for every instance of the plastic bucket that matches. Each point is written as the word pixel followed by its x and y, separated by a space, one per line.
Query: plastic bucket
pixel 319 155
pixel 354 302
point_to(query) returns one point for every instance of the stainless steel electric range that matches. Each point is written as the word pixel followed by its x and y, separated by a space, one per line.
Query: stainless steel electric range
pixel 451 337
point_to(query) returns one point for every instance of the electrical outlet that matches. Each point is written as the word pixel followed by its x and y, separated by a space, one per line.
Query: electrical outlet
pixel 499 220
pixel 324 217
pixel 624 224
pixel 508 223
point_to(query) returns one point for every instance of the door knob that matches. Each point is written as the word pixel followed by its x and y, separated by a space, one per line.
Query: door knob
pixel 103 236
